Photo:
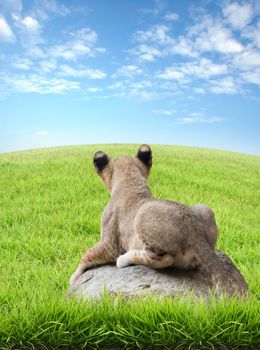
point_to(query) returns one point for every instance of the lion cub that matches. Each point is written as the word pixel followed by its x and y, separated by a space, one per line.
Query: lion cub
pixel 141 230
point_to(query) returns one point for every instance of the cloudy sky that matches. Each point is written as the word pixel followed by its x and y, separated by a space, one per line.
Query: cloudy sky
pixel 130 71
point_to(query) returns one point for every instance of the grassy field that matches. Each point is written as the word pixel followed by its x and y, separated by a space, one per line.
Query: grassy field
pixel 51 202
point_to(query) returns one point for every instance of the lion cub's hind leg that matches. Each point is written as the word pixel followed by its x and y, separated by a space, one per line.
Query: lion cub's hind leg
pixel 188 261
pixel 101 253
pixel 144 257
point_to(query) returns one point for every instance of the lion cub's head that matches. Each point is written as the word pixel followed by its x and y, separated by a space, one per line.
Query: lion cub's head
pixel 123 167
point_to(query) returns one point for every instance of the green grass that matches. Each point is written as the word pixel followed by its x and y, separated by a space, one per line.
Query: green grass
pixel 51 202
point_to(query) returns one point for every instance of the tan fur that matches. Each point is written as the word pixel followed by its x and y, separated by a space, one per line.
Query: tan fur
pixel 138 229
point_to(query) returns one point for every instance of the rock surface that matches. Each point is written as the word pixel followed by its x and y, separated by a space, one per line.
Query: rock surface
pixel 133 281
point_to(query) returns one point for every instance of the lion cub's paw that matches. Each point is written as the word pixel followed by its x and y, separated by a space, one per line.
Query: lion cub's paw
pixel 122 261
pixel 73 278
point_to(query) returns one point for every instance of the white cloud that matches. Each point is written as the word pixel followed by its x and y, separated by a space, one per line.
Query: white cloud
pixel 157 33
pixel 29 30
pixel 84 35
pixel 41 133
pixel 167 113
pixel 171 16
pixel 81 72
pixel 119 85
pixel 63 51
pixel 211 35
pixel 48 65
pixel 252 77
pixel 128 71
pixel 199 120
pixel 197 114
pixel 35 83
pixel 31 24
pixel 93 89
pixel 150 11
pixel 82 43
pixel 6 33
pixel 224 86
pixel 141 85
pixel 130 85
pixel 46 8
pixel 22 63
pixel 199 90
pixel 143 95
pixel 71 51
pixel 158 7
pixel 202 69
pixel 35 51
pixel 171 73
pixel 147 52
pixel 138 89
pixel 247 59
pixel 154 43
pixel 253 33
pixel 28 23
pixel 183 46
pixel 206 35
pixel 51 6
pixel 218 39
pixel 238 15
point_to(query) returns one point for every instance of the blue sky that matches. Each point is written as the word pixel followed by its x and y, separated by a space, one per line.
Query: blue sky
pixel 130 71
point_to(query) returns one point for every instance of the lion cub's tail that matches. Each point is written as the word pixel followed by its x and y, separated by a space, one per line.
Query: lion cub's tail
pixel 222 280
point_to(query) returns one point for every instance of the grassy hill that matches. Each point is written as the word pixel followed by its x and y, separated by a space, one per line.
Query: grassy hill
pixel 51 202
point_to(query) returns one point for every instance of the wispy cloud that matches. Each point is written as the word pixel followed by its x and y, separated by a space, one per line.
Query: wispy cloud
pixel 28 23
pixel 22 63
pixel 128 71
pixel 81 72
pixel 39 84
pixel 143 94
pixel 6 33
pixel 157 34
pixel 201 69
pixel 156 8
pixel 171 73
pixel 154 43
pixel 206 35
pixel 238 15
pixel 142 89
pixel 171 16
pixel 252 76
pixel 199 120
pixel 93 89
pixel 167 113
pixel 249 58
pixel 48 65
pixel 146 52
pixel 210 34
pixel 47 8
pixel 253 33
pixel 199 90
pixel 81 43
pixel 226 85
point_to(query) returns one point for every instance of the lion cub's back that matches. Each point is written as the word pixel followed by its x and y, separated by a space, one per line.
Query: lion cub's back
pixel 163 224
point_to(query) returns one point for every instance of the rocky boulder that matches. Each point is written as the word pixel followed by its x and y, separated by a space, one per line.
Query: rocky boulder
pixel 133 281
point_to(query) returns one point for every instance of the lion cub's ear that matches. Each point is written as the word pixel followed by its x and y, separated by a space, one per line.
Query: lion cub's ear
pixel 144 154
pixel 100 161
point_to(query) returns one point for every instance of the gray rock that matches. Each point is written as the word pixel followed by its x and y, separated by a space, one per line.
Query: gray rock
pixel 133 281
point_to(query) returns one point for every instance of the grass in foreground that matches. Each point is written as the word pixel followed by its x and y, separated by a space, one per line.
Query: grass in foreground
pixel 51 203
